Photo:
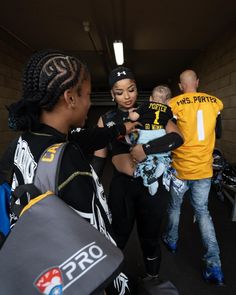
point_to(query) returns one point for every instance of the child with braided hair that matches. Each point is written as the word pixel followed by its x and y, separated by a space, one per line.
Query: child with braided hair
pixel 56 99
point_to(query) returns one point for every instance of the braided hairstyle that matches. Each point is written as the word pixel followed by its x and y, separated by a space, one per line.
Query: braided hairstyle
pixel 46 76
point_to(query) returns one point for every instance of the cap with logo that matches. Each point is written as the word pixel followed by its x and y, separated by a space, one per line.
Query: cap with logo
pixel 118 74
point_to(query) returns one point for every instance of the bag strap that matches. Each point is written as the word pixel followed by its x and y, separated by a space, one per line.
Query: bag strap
pixel 47 172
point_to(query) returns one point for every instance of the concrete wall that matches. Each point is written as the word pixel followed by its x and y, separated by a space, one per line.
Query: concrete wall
pixel 216 68
pixel 217 72
pixel 12 57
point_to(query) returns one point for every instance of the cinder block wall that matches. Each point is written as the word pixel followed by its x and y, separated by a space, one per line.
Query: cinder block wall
pixel 217 73
pixel 216 69
pixel 12 58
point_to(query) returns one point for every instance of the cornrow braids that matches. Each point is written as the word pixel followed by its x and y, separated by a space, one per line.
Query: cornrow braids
pixel 45 78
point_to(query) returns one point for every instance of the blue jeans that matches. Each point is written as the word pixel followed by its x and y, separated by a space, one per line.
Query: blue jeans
pixel 199 200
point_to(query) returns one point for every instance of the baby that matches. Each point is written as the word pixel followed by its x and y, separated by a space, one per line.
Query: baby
pixel 154 116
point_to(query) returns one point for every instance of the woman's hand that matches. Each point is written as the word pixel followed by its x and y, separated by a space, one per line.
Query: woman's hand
pixel 131 126
pixel 124 164
pixel 138 153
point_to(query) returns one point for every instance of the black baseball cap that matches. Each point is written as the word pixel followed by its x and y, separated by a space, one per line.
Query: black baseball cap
pixel 120 73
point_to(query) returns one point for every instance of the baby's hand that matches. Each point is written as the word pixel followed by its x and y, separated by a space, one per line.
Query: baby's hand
pixel 132 110
pixel 133 116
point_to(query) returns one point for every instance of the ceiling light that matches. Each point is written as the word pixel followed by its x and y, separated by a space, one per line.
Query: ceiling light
pixel 119 52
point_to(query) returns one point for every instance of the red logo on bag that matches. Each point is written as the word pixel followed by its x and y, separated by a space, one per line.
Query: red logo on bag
pixel 54 280
pixel 50 282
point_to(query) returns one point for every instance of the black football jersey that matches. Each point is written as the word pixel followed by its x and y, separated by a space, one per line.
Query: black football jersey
pixel 153 115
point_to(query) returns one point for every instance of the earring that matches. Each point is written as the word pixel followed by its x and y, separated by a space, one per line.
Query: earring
pixel 113 99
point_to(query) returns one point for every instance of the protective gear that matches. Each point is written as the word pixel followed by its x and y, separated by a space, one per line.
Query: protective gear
pixel 218 160
pixel 166 143
pixel 229 175
pixel 223 171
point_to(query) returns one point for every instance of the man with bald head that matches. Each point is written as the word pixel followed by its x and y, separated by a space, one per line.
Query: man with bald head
pixel 198 118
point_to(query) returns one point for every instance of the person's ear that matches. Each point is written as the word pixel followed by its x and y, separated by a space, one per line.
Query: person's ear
pixel 197 83
pixel 69 98
pixel 113 96
pixel 150 98
pixel 180 87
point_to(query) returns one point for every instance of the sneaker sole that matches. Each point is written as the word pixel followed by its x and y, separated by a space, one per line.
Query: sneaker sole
pixel 213 282
pixel 219 284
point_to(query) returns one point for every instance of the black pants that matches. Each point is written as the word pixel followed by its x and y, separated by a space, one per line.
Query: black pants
pixel 129 201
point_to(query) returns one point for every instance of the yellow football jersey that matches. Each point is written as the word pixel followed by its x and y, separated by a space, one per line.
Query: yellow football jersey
pixel 196 115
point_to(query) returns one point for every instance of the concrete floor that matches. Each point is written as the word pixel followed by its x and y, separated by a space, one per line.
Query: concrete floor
pixel 184 268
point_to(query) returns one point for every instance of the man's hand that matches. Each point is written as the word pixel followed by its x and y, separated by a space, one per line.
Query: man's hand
pixel 137 153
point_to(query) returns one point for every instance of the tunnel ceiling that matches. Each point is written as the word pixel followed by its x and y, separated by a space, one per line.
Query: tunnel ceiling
pixel 160 38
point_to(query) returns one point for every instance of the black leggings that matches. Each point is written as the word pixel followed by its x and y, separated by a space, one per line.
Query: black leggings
pixel 129 201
